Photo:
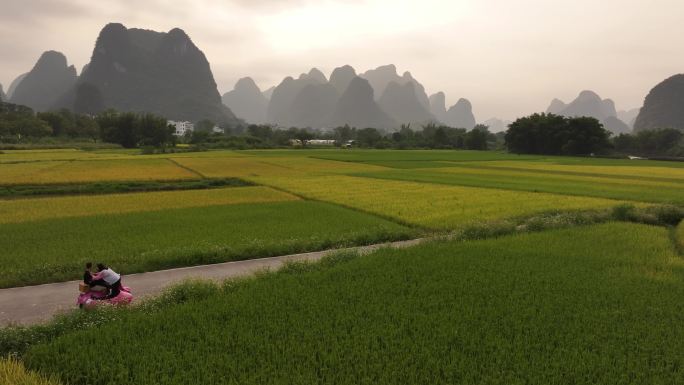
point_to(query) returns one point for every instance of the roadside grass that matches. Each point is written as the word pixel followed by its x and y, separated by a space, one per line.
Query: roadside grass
pixel 91 171
pixel 55 250
pixel 98 188
pixel 624 188
pixel 434 206
pixel 587 305
pixel 37 209
pixel 12 372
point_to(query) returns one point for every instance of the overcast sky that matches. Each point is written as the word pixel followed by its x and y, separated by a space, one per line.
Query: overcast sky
pixel 509 57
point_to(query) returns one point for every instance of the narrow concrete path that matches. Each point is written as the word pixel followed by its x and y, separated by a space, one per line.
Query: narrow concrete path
pixel 35 304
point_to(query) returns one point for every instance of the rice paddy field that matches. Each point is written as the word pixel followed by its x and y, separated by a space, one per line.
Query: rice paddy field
pixel 530 309
pixel 546 301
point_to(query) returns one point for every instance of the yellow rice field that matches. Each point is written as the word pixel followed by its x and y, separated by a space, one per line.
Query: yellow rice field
pixel 253 167
pixel 627 171
pixel 430 205
pixel 92 171
pixel 622 179
pixel 26 210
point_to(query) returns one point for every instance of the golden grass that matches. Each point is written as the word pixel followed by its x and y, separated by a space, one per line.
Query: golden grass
pixel 26 210
pixel 430 205
pixel 13 372
pixel 92 171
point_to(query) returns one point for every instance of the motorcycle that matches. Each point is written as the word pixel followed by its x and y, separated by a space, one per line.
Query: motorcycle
pixel 89 297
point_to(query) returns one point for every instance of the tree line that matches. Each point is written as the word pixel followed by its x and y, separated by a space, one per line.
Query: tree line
pixel 19 124
pixel 431 136
pixel 550 134
pixel 545 134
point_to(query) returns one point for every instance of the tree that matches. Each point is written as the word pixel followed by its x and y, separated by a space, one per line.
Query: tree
pixel 368 137
pixel 87 127
pixel 344 134
pixel 476 139
pixel 303 136
pixel 263 131
pixel 18 122
pixel 62 122
pixel 551 134
pixel 153 130
pixel 118 127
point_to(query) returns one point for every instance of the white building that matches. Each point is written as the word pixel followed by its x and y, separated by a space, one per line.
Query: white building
pixel 181 127
pixel 321 142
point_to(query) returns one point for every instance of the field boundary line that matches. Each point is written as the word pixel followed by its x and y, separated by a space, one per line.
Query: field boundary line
pixel 439 183
pixel 186 168
pixel 36 304
pixel 358 210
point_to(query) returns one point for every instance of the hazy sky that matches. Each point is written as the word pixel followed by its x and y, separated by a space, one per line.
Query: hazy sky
pixel 508 57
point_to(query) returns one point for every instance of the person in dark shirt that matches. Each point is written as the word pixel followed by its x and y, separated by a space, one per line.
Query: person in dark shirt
pixel 88 275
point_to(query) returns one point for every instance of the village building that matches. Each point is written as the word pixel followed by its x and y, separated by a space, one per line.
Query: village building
pixel 181 127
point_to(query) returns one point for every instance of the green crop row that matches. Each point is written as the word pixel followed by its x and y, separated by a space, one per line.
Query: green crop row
pixel 96 188
pixel 56 249
pixel 590 305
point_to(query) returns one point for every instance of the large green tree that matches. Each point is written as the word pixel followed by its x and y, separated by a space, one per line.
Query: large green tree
pixel 551 134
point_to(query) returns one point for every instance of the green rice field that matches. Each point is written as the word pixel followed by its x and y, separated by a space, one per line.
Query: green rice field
pixel 589 305
pixel 534 269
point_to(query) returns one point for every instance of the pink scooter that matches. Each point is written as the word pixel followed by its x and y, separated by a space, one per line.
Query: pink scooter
pixel 88 297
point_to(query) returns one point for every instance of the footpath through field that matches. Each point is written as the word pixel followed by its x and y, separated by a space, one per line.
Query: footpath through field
pixel 34 304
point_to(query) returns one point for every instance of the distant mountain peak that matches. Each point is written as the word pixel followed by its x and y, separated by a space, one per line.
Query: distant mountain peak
pixel 556 107
pixel 158 72
pixel 341 77
pixel 402 104
pixel 460 115
pixel 247 101
pixel 317 75
pixel 50 78
pixel 589 103
pixel 663 106
pixel 246 83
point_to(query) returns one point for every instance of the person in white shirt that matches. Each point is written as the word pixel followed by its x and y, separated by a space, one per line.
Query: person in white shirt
pixel 109 278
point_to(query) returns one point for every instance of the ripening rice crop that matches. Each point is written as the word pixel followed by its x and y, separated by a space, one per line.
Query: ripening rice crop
pixel 12 372
pixel 648 171
pixel 92 171
pixel 591 305
pixel 44 155
pixel 55 250
pixel 251 167
pixel 430 205
pixel 28 210
pixel 624 187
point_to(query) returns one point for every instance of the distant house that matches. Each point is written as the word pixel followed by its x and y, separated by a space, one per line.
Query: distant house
pixel 321 142
pixel 218 130
pixel 181 127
